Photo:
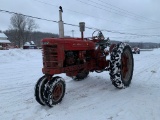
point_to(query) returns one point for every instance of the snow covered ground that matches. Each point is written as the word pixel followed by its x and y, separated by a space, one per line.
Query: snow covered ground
pixel 94 98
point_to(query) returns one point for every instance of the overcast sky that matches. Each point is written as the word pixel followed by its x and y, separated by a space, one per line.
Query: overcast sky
pixel 141 17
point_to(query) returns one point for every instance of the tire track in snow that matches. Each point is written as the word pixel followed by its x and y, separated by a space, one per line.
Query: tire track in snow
pixel 15 89
pixel 147 68
pixel 147 73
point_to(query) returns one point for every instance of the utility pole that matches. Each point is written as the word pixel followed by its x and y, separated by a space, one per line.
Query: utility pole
pixel 72 33
pixel 60 22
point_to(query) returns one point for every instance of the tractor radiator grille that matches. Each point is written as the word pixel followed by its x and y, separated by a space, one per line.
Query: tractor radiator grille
pixel 50 56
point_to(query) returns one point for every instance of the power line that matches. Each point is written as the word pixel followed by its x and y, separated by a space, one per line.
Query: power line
pixel 46 3
pixel 120 12
pixel 28 16
pixel 109 10
pixel 127 11
pixel 97 17
pixel 92 28
pixel 84 13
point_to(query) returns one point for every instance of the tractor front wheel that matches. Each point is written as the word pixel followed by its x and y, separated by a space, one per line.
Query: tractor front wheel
pixel 121 65
pixel 54 91
pixel 39 90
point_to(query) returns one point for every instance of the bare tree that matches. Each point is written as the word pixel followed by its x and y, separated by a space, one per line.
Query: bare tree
pixel 31 25
pixel 22 26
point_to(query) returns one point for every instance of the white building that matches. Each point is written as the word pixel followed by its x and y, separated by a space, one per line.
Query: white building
pixel 4 41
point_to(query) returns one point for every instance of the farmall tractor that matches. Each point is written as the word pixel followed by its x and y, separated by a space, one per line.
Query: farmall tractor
pixel 77 57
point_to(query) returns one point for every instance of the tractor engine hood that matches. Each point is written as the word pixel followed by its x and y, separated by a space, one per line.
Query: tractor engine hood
pixel 70 43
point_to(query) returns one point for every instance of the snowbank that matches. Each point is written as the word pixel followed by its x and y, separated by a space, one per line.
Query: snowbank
pixel 14 55
pixel 94 98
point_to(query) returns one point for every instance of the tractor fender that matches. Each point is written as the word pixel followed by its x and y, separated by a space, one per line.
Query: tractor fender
pixel 111 47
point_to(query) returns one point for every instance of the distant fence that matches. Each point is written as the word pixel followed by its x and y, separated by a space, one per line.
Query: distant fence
pixel 146 49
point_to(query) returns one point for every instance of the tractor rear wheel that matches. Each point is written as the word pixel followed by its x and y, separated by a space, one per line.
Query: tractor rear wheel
pixel 39 90
pixel 54 91
pixel 121 65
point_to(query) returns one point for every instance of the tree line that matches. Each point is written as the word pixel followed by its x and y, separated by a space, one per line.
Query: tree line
pixel 22 29
pixel 35 36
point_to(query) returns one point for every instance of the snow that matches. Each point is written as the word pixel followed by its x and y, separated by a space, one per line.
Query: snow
pixel 94 98
pixel 3 38
pixel 2 35
pixel 4 41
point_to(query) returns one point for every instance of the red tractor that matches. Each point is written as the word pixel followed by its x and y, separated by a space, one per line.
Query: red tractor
pixel 77 57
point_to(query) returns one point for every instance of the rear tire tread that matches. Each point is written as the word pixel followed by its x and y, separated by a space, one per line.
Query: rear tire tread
pixel 115 66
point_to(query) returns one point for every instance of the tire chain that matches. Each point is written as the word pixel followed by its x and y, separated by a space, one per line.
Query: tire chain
pixel 115 65
pixel 39 90
pixel 48 91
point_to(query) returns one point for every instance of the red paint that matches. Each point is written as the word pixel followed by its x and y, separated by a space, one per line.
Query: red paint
pixel 55 61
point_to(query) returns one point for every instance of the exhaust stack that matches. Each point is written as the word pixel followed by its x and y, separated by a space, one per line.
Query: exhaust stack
pixel 61 25
pixel 82 28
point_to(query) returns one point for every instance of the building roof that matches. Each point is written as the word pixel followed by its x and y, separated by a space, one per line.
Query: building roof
pixel 3 35
pixel 3 38
pixel 5 41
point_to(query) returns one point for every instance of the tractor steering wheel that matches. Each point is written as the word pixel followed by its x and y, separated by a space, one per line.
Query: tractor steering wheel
pixel 99 35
